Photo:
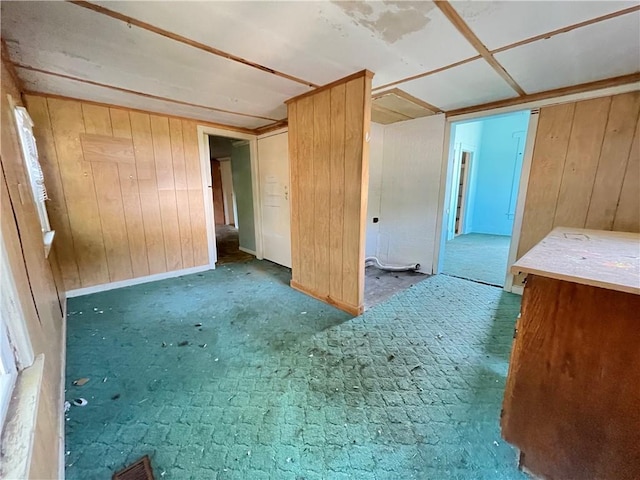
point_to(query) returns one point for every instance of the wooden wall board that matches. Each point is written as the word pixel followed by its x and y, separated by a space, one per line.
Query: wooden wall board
pixel 336 202
pixel 121 125
pixel 77 179
pixel 329 174
pixel 138 218
pixel 571 398
pixel 581 163
pixel 585 169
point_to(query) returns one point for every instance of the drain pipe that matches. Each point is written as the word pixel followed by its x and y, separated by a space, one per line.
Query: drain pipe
pixel 390 268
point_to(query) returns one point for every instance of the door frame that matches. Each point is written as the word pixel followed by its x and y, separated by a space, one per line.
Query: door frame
pixel 205 167
pixel 462 196
pixel 445 192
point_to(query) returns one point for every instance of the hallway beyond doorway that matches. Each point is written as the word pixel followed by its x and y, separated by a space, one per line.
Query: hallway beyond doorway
pixel 228 246
pixel 478 257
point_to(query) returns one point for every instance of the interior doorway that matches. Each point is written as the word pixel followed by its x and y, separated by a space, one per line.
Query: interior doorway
pixel 232 197
pixel 486 162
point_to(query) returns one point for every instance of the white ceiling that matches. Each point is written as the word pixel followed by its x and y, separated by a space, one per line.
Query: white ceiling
pixel 317 42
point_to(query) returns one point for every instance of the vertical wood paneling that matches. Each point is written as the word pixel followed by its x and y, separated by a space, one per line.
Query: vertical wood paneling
pixel 121 126
pixel 182 191
pixel 196 195
pixel 166 191
pixel 118 220
pixel 56 205
pixel 585 170
pixel 351 261
pixel 585 144
pixel 77 180
pixel 306 191
pixel 329 169
pixel 294 192
pixel 336 201
pixel 148 187
pixel 322 186
pixel 627 216
pixel 614 158
pixel 106 179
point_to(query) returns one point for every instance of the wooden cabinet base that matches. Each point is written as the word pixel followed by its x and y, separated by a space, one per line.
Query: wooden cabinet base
pixel 572 399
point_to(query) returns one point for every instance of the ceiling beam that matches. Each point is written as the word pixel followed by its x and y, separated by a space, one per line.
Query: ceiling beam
pixel 409 97
pixel 457 21
pixel 187 41
pixel 557 92
pixel 271 127
pixel 141 94
pixel 553 33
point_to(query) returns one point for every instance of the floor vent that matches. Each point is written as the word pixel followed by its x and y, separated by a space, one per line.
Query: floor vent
pixel 141 470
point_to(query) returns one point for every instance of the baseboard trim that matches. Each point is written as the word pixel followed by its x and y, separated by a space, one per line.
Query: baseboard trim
pixel 350 309
pixel 137 281
pixel 246 250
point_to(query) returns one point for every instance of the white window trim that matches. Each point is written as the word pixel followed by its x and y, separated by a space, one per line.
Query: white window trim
pixel 35 175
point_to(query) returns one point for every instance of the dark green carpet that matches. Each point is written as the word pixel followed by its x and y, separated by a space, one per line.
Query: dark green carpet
pixel 288 387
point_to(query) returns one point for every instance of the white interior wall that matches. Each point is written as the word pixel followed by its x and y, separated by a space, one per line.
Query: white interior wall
pixel 375 188
pixel 409 186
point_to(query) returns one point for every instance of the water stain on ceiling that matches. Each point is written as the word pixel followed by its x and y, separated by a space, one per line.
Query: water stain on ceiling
pixel 389 20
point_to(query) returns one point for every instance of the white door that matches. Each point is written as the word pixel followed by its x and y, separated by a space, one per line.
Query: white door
pixel 273 164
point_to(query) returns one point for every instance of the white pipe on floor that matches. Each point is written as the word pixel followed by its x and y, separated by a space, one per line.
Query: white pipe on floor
pixel 390 268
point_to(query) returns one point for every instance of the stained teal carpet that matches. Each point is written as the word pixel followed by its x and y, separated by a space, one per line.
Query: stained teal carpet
pixel 231 374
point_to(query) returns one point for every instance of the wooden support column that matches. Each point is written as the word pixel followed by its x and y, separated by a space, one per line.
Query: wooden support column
pixel 329 156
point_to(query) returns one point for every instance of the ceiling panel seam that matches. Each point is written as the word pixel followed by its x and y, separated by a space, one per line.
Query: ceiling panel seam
pixel 10 66
pixel 457 21
pixel 135 92
pixel 187 41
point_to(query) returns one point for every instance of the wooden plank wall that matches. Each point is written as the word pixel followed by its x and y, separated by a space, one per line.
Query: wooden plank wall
pixel 585 170
pixel 38 284
pixel 125 188
pixel 329 158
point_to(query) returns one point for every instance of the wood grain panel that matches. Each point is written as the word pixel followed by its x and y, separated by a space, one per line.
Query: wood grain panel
pixel 329 169
pixel 547 165
pixel 182 191
pixel 56 205
pixel 306 190
pixel 614 158
pixel 294 192
pixel 353 260
pixel 627 216
pixel 336 202
pixel 77 180
pixel 148 188
pixel 121 125
pixel 196 195
pixel 585 169
pixel 322 186
pixel 105 148
pixel 106 179
pixel 572 396
pixel 585 144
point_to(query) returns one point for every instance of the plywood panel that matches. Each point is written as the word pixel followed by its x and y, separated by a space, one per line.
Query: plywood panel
pixel 614 158
pixel 106 181
pixel 105 148
pixel 56 206
pixel 148 188
pixel 77 180
pixel 336 202
pixel 121 126
pixel 329 175
pixel 322 185
pixel 294 192
pixel 585 169
pixel 182 191
pixel 627 216
pixel 585 144
pixel 196 195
